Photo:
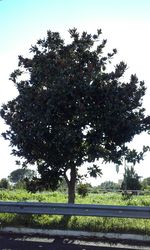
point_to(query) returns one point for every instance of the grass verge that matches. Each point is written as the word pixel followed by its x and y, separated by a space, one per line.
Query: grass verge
pixel 94 224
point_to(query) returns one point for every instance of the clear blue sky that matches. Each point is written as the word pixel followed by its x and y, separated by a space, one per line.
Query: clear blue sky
pixel 124 22
pixel 20 19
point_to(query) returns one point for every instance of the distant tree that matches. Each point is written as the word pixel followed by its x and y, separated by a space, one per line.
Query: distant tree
pixel 146 182
pixel 4 183
pixel 20 174
pixel 131 180
pixel 109 185
pixel 73 108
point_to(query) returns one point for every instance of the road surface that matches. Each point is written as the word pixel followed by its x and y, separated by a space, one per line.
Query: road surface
pixel 8 242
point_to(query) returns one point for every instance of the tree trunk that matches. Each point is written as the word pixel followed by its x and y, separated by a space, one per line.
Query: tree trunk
pixel 71 193
pixel 71 185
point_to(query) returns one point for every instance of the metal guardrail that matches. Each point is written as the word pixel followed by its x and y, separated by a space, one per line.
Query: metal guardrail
pixel 75 209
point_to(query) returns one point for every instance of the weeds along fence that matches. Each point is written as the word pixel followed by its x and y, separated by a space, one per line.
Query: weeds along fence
pixel 133 192
pixel 75 209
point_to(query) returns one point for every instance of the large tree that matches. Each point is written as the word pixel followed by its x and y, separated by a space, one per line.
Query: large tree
pixel 72 108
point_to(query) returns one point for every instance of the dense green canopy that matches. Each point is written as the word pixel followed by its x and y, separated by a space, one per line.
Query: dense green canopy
pixel 72 109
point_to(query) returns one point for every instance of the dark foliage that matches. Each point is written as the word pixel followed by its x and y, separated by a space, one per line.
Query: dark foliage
pixel 72 109
pixel 131 180
pixel 4 183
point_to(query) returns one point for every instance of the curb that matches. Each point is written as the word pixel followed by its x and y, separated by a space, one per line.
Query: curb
pixel 79 234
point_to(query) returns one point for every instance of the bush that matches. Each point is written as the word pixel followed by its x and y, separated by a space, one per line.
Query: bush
pixel 4 183
pixel 82 189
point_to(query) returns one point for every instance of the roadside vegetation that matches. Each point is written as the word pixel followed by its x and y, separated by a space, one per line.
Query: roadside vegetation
pixel 98 224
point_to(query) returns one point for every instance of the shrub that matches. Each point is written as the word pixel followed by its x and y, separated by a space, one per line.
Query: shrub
pixel 82 189
pixel 4 183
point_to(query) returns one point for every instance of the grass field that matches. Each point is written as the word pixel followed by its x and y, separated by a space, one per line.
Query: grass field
pixel 96 224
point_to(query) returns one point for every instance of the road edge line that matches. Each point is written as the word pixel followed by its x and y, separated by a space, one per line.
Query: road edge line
pixel 71 233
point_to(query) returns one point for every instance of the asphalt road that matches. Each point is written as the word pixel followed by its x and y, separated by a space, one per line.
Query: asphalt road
pixel 8 242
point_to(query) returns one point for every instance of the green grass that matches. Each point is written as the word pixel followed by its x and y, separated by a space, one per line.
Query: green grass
pixel 96 224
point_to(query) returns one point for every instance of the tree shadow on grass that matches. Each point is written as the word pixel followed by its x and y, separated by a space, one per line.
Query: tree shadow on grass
pixel 64 221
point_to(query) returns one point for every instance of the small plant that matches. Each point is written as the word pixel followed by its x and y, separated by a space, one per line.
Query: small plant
pixel 82 189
